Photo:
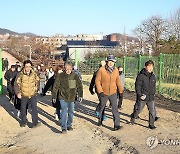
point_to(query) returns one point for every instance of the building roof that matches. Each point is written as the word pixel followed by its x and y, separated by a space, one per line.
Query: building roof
pixel 104 43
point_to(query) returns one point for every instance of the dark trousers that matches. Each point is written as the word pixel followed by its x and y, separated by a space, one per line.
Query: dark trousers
pixel 33 103
pixel 151 109
pixel 113 102
pixel 6 68
pixel 17 103
pixel 9 89
pixel 99 105
pixel 10 93
pixel 136 106
pixel 120 99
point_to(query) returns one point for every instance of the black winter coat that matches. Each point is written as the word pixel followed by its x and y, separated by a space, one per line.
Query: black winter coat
pixel 9 75
pixel 92 84
pixel 145 84
pixel 17 101
pixel 49 86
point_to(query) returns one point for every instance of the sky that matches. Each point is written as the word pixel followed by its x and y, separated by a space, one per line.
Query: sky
pixel 71 17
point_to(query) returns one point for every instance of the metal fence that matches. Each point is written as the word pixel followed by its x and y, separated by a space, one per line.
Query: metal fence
pixel 166 69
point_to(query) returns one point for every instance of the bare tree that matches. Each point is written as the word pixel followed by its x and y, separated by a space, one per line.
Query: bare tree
pixel 174 25
pixel 153 30
pixel 139 33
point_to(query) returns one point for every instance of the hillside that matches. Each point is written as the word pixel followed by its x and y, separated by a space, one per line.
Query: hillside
pixel 4 31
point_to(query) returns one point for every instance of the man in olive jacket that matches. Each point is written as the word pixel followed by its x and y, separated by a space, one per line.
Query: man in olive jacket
pixel 69 85
pixel 26 87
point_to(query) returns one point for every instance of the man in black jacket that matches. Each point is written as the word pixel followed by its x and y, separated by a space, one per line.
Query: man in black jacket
pixel 91 87
pixel 9 75
pixel 145 86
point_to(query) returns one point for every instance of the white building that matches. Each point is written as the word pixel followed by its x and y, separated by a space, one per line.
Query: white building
pixel 59 40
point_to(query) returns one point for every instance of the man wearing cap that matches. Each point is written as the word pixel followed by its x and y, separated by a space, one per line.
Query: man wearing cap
pixel 107 83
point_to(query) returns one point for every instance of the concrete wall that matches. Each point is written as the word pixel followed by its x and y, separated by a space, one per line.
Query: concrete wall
pixel 82 52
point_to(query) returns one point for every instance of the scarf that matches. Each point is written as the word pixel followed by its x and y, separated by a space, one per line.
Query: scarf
pixel 109 69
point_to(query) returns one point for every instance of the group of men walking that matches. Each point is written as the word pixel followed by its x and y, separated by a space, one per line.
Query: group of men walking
pixel 109 83
pixel 67 88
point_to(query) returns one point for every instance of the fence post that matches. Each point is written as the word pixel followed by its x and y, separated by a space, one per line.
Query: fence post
pixel 76 57
pixel 160 72
pixel 124 65
pixel 139 63
pixel 1 83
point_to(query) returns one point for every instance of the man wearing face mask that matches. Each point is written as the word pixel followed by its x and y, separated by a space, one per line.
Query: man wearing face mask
pixel 122 80
pixel 145 86
pixel 107 83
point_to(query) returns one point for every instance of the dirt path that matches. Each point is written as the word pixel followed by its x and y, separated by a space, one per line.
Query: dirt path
pixel 86 137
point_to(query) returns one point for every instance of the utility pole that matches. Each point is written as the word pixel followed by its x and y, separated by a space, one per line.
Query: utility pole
pixel 125 47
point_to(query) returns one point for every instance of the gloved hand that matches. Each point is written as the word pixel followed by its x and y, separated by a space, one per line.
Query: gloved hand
pixel 143 97
pixel 19 96
pixel 54 101
pixel 80 99
pixel 120 94
pixel 101 94
pixel 92 92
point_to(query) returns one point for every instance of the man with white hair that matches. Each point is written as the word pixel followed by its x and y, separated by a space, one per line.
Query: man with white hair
pixel 69 85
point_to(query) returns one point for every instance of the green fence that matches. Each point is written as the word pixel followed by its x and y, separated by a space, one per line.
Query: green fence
pixel 166 69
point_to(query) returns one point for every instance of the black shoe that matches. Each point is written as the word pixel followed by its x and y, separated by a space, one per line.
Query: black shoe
pixel 99 123
pixel 117 128
pixel 152 127
pixel 69 128
pixel 23 124
pixel 36 124
pixel 156 118
pixel 132 121
pixel 132 116
pixel 64 131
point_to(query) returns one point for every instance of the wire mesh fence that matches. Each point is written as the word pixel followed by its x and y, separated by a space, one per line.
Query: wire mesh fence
pixel 166 69
pixel 170 78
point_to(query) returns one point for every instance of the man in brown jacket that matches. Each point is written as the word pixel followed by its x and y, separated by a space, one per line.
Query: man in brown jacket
pixel 107 83
pixel 25 87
